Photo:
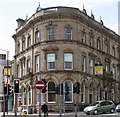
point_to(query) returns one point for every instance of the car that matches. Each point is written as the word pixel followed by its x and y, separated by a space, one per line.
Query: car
pixel 118 108
pixel 100 107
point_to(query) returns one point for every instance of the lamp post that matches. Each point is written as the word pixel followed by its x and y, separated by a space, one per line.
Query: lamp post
pixel 7 81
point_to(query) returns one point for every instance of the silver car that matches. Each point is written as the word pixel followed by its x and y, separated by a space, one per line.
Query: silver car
pixel 100 106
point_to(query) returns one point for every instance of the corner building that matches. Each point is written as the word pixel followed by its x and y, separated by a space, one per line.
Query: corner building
pixel 63 44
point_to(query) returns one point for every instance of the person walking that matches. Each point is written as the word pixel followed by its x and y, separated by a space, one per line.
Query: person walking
pixel 44 109
pixel 21 108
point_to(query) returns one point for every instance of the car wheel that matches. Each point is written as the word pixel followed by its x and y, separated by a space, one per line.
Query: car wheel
pixel 95 112
pixel 112 110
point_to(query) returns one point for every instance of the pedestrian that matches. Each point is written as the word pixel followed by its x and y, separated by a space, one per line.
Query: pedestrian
pixel 21 108
pixel 44 109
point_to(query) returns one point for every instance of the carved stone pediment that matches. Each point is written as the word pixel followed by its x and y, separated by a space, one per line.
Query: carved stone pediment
pixel 92 54
pixel 107 60
pixel 50 48
pixel 22 58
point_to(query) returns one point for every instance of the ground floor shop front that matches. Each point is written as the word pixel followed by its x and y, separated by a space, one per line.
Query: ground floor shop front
pixel 92 88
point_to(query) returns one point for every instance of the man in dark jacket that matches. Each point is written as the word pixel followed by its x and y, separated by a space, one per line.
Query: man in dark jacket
pixel 44 109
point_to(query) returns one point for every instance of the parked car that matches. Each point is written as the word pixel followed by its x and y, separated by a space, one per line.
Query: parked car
pixel 118 108
pixel 100 106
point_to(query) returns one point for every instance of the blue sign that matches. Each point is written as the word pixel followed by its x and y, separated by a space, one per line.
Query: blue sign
pixel 25 112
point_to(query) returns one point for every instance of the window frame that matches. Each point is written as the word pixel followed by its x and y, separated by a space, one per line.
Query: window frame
pixel 68 61
pixel 68 33
pixel 83 62
pixel 29 96
pixel 29 41
pixel 83 37
pixel 91 41
pixel 98 45
pixel 92 67
pixel 51 61
pixel 23 45
pixel 50 92
pixel 83 92
pixel 51 33
pixel 37 63
pixel 37 36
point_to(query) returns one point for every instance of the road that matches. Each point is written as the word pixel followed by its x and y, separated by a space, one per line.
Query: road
pixel 80 114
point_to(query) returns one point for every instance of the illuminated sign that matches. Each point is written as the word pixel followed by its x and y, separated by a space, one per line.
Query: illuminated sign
pixel 98 69
pixel 5 70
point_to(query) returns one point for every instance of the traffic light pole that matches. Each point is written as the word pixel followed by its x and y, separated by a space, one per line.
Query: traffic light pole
pixel 75 103
pixel 15 105
pixel 4 107
pixel 40 100
pixel 60 99
pixel 64 99
pixel 7 79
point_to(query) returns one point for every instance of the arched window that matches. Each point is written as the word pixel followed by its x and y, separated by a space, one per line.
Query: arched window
pixel 24 97
pixel 51 91
pixel 68 91
pixel 91 93
pixel 83 92
pixel 29 95
pixel 98 92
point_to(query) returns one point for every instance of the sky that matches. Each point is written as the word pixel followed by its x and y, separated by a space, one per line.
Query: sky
pixel 11 10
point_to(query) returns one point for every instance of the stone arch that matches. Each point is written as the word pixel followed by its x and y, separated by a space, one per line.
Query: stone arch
pixel 51 77
pixel 68 77
pixel 85 80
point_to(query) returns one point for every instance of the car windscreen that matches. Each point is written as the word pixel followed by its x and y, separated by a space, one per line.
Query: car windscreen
pixel 94 104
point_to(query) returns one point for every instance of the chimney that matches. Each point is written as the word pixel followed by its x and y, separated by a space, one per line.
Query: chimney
pixel 20 22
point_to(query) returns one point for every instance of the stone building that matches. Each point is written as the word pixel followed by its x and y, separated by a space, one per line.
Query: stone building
pixel 63 44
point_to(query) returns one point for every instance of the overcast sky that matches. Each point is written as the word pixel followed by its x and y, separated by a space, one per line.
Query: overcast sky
pixel 11 10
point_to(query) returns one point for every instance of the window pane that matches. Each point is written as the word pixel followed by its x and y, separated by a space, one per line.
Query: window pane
pixel 68 65
pixel 82 92
pixel 37 63
pixel 37 36
pixel 51 57
pixel 51 61
pixel 51 34
pixel 83 37
pixel 51 91
pixel 68 61
pixel 51 86
pixel 68 91
pixel 68 33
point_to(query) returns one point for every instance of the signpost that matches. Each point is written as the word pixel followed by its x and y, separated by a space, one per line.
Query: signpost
pixel 40 85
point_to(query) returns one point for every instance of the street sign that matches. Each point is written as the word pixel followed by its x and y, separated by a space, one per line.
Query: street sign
pixel 40 85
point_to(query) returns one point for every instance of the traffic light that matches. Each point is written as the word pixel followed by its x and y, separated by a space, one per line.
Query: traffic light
pixel 16 85
pixel 76 88
pixel 57 89
pixel 66 88
pixel 5 88
pixel 45 86
pixel 9 89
